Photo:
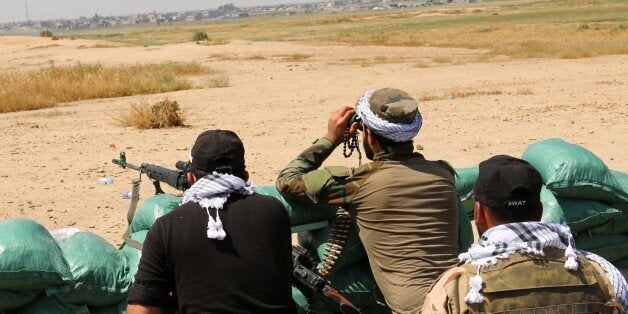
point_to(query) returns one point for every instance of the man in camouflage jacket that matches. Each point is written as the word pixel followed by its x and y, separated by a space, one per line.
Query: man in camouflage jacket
pixel 521 265
pixel 404 206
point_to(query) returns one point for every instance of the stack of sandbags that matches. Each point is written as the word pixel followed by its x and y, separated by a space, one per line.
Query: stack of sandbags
pixel 300 213
pixel 100 272
pixel 62 271
pixel 31 263
pixel 582 192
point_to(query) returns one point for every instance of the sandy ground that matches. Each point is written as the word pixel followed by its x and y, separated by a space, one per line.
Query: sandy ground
pixel 278 104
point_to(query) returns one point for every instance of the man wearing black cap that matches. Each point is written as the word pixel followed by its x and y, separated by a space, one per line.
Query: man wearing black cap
pixel 520 264
pixel 404 206
pixel 225 249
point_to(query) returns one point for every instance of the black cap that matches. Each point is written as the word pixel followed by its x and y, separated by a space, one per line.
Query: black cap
pixel 508 183
pixel 218 150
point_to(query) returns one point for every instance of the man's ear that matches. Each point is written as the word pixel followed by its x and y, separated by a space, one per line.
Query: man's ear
pixel 372 140
pixel 479 217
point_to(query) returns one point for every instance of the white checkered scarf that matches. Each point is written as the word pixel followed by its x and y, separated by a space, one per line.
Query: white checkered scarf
pixel 392 131
pixel 212 191
pixel 531 237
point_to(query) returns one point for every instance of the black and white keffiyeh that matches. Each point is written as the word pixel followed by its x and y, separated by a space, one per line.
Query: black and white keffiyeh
pixel 532 237
pixel 212 191
pixel 392 131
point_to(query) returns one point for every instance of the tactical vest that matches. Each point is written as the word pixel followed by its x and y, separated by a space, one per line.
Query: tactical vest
pixel 521 284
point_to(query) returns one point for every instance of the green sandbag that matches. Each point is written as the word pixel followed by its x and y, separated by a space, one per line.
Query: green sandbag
pixel 50 305
pixel 119 308
pixel 300 213
pixel 100 271
pixel 132 254
pixel 616 225
pixel 153 208
pixel 570 170
pixel 578 214
pixel 622 263
pixel 300 300
pixel 465 231
pixel 30 259
pixel 469 207
pixel 465 179
pixel 10 300
pixel 622 179
pixel 317 240
pixel 613 247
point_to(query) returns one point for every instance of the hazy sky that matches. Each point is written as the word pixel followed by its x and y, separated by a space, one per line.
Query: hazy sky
pixel 15 10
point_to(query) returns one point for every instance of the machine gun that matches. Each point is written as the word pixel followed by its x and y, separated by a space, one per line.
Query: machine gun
pixel 303 271
pixel 176 179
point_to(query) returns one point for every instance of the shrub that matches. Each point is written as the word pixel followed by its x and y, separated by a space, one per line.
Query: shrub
pixel 200 36
pixel 45 33
pixel 296 57
pixel 219 81
pixel 163 114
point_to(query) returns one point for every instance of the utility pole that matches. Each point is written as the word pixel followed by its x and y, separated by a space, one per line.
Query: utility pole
pixel 26 6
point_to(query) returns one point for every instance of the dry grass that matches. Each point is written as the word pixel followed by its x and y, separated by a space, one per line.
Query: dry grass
pixel 223 56
pixel 441 59
pixel 256 57
pixel 98 46
pixel 219 81
pixel 459 93
pixel 421 64
pixel 381 59
pixel 520 29
pixel 524 91
pixel 48 86
pixel 164 114
pixel 214 42
pixel 50 114
pixel 43 47
pixel 456 93
pixel 296 57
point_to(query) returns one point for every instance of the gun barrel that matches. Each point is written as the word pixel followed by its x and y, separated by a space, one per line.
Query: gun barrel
pixel 125 165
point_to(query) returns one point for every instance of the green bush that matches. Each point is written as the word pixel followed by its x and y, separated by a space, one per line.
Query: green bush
pixel 45 33
pixel 199 36
pixel 164 114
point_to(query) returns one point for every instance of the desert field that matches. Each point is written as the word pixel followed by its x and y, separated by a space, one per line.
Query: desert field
pixel 278 99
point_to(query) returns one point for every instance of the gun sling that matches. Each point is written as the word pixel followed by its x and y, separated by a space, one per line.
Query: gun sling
pixel 135 197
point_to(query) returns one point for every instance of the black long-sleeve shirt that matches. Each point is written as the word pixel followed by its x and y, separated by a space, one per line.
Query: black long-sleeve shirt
pixel 248 272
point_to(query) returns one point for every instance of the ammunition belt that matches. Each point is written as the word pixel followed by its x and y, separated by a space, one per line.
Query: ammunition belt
pixel 338 234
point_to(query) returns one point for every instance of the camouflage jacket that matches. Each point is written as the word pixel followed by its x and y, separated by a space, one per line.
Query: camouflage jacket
pixel 526 284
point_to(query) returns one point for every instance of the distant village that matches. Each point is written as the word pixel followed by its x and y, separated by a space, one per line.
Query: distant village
pixel 226 11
